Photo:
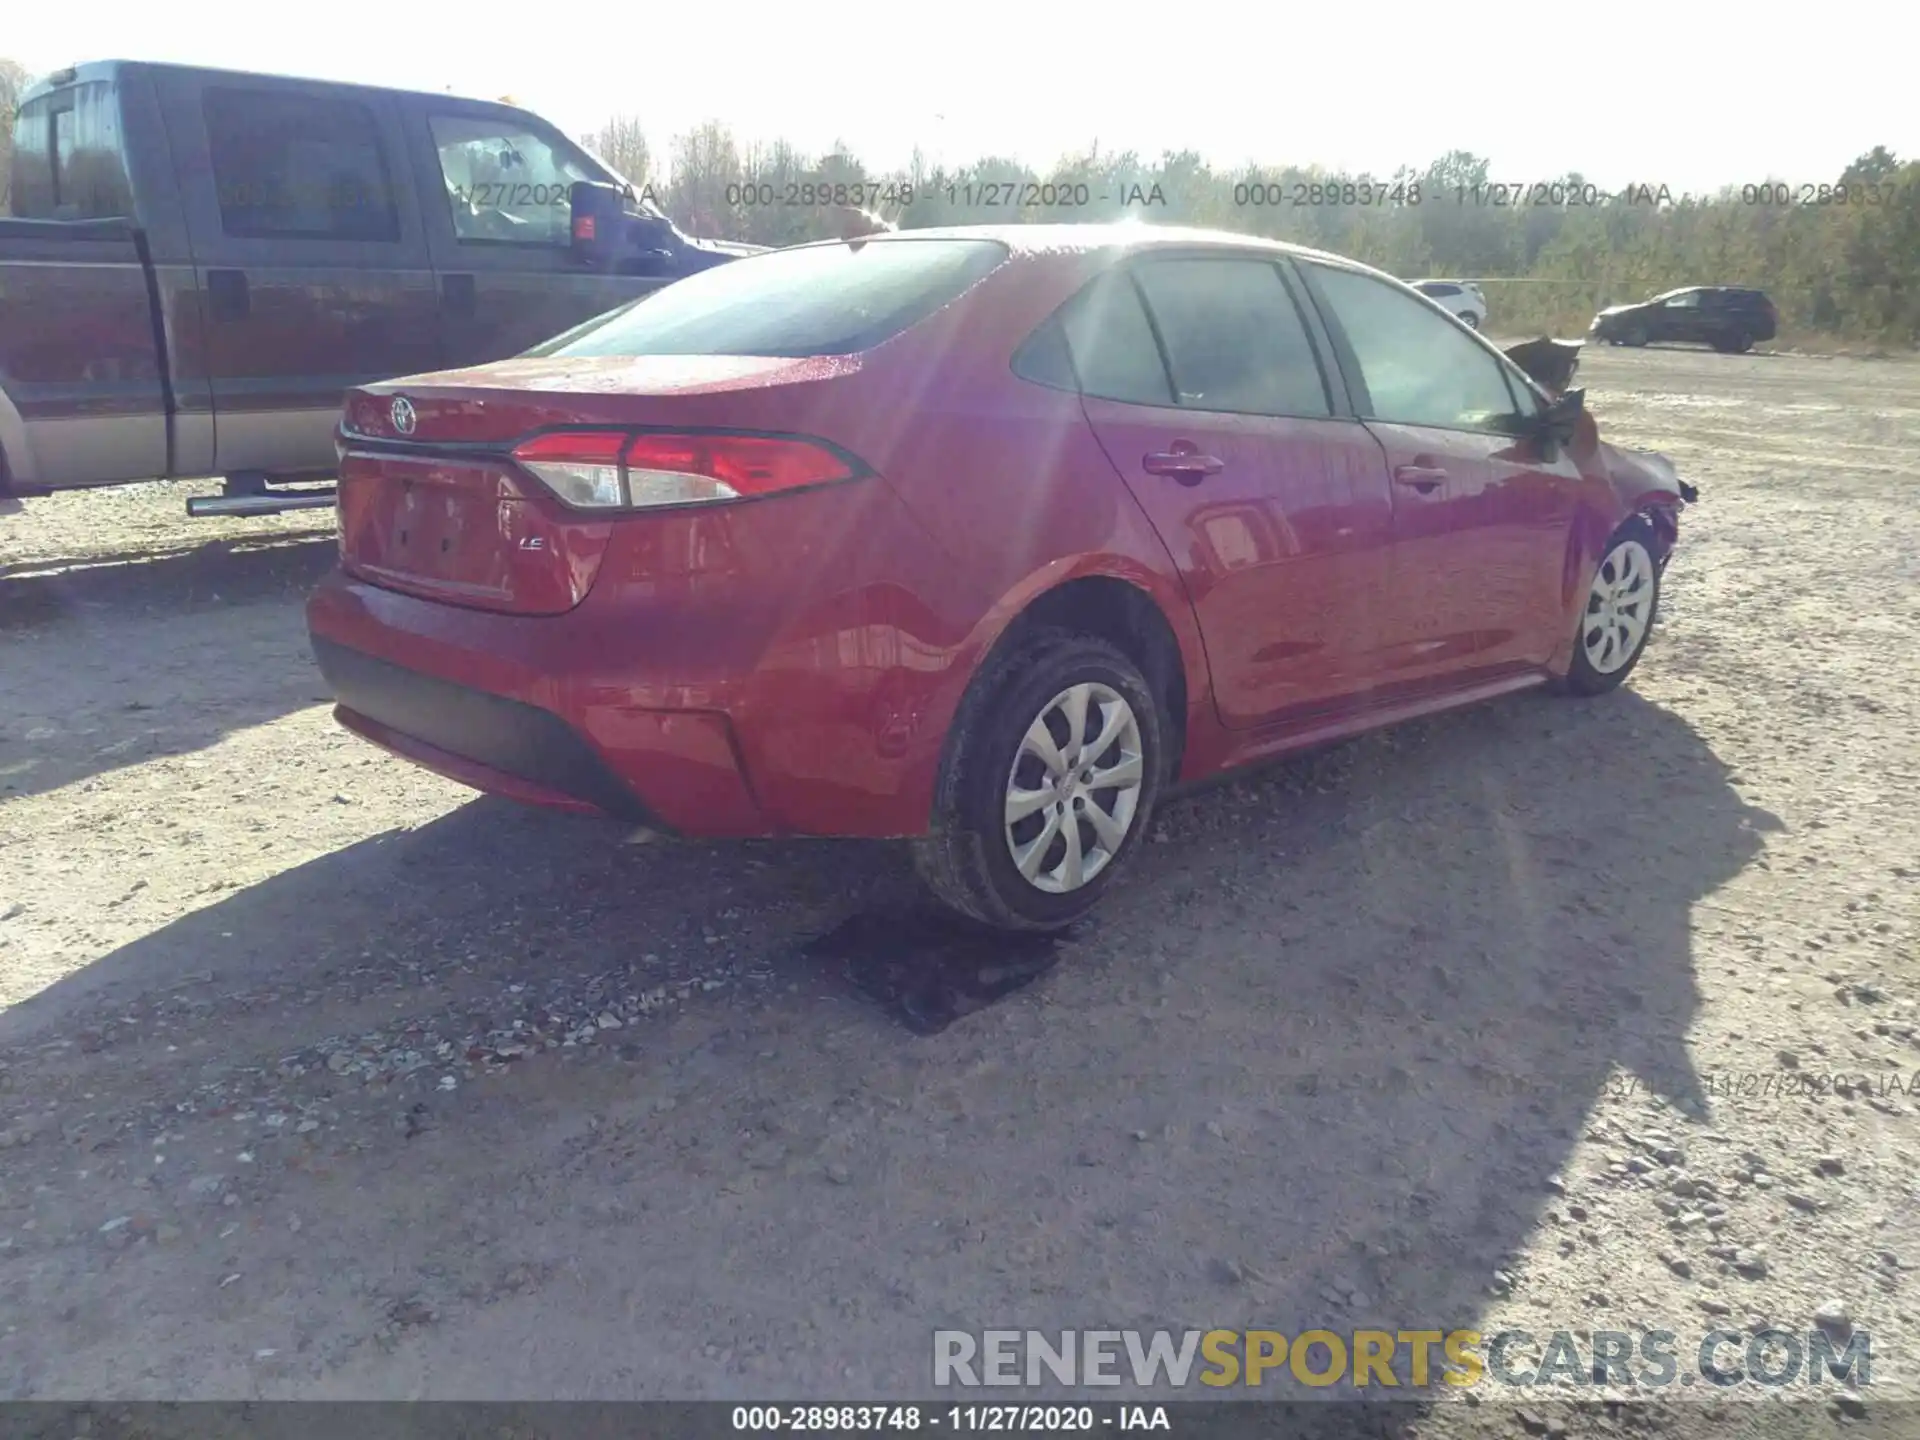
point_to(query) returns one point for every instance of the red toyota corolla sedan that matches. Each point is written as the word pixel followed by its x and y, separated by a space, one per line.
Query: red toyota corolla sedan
pixel 976 537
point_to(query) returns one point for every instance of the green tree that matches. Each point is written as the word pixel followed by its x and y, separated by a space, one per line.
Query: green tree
pixel 1848 268
pixel 14 80
pixel 623 145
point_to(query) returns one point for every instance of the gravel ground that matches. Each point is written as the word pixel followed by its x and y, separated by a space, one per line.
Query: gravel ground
pixel 322 1078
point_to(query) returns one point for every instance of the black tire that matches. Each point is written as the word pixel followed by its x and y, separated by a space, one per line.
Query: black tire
pixel 1470 321
pixel 1734 344
pixel 965 859
pixel 1584 677
pixel 1635 337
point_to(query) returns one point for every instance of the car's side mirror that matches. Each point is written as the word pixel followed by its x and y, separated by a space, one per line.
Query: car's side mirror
pixel 608 235
pixel 1562 418
pixel 598 215
pixel 1556 427
pixel 1553 429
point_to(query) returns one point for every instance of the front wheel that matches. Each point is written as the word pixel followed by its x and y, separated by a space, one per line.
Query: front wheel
pixel 1618 616
pixel 1050 777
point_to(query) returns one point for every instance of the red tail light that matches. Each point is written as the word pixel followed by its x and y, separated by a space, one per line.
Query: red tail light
pixel 605 469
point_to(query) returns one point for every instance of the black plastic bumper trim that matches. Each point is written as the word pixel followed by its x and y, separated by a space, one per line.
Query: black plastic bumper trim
pixel 516 739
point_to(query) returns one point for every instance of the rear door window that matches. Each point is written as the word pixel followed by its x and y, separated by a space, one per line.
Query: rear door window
pixel 834 299
pixel 69 160
pixel 291 165
pixel 1234 337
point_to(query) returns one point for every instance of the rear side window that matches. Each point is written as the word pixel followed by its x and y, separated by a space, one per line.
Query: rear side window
pixel 1112 344
pixel 296 166
pixel 1100 343
pixel 1234 337
pixel 1440 292
pixel 814 300
pixel 1045 359
pixel 69 159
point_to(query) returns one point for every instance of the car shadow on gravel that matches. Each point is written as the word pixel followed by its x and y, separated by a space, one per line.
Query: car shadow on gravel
pixel 1321 1063
pixel 39 592
pixel 120 659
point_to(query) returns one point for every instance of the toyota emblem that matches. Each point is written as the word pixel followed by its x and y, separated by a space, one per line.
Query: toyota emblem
pixel 402 415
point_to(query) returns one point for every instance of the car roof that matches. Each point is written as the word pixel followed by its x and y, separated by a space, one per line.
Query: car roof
pixel 1087 239
pixel 1710 290
pixel 1067 235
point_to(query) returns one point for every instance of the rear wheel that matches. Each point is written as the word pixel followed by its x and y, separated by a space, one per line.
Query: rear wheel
pixel 1051 775
pixel 1738 343
pixel 1470 320
pixel 1618 617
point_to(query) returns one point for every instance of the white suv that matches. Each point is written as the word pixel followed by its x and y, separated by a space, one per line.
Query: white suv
pixel 1462 298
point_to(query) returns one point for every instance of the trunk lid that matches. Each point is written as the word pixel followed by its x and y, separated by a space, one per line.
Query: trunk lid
pixel 432 503
pixel 467 531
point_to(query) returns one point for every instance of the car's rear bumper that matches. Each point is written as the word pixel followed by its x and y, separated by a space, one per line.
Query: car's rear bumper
pixel 541 725
pixel 482 740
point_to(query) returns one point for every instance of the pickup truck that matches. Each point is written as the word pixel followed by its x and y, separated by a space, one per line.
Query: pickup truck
pixel 200 262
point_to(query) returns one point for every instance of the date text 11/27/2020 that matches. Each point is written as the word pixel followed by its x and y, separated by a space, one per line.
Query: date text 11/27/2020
pixel 898 1419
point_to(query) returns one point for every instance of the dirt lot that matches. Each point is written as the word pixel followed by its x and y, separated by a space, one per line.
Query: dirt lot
pixel 321 1077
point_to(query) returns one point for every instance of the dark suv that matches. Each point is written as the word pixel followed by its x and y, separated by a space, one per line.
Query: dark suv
pixel 1723 316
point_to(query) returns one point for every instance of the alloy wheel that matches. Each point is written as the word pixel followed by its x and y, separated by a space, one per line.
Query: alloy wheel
pixel 1074 788
pixel 1619 607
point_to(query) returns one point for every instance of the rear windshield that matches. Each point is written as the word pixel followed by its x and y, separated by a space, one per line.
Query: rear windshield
pixel 814 300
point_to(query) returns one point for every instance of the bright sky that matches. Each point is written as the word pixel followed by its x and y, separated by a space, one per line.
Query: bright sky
pixel 1621 90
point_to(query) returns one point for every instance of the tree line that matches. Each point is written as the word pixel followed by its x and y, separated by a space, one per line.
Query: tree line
pixel 1840 258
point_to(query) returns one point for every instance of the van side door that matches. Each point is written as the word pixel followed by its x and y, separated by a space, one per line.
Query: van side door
pixel 312 260
pixel 495 191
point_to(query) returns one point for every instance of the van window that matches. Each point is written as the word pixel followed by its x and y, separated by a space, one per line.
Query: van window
pixel 290 165
pixel 69 160
pixel 505 183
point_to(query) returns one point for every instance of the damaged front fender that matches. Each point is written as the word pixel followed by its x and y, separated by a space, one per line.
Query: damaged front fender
pixel 1646 477
pixel 1648 485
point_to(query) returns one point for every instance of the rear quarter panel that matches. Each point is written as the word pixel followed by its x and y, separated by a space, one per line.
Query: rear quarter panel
pixel 881 604
pixel 1007 478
